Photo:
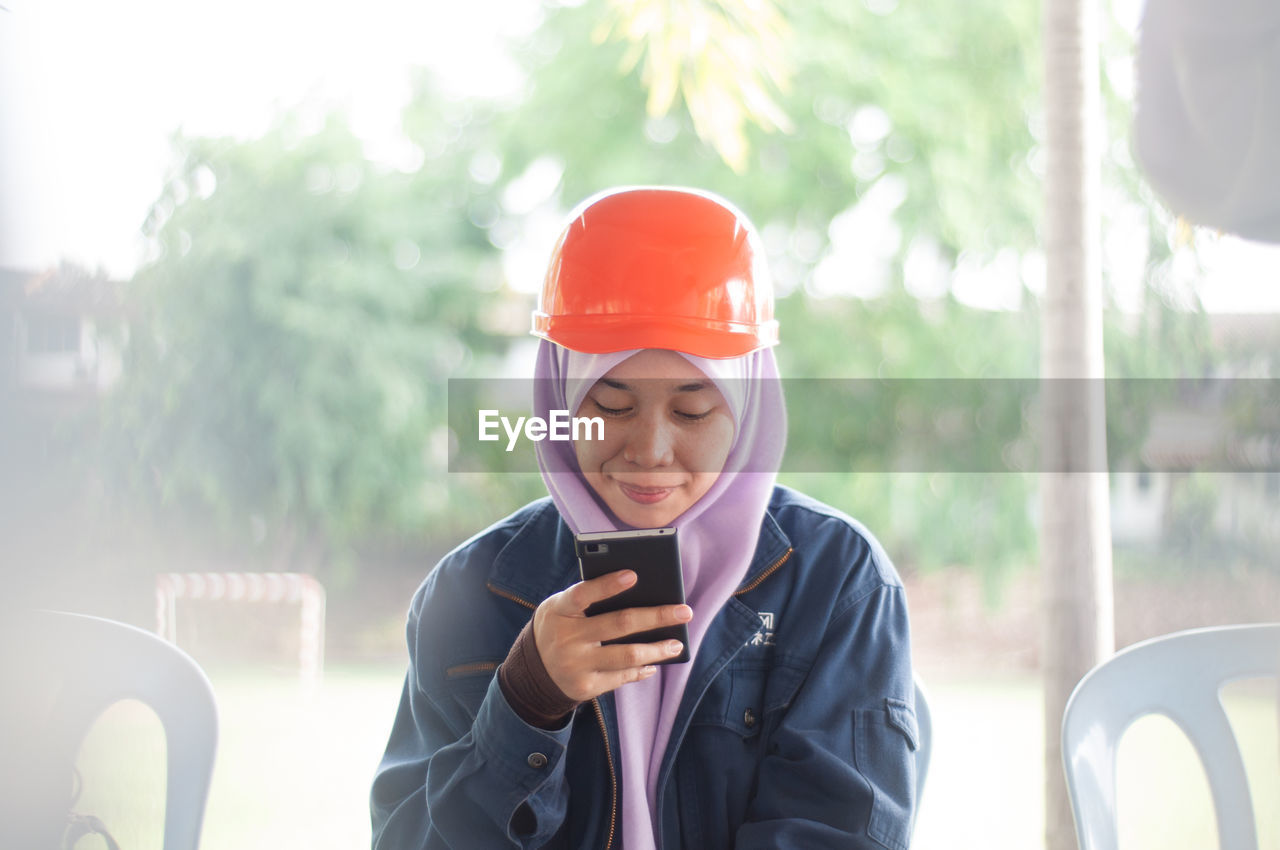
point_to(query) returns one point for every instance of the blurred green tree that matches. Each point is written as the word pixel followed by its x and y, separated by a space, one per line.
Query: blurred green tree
pixel 288 346
pixel 870 95
pixel 973 519
pixel 919 99
pixel 291 341
pixel 884 104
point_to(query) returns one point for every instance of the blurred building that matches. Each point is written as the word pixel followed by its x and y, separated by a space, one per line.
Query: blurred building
pixel 1164 496
pixel 59 338
pixel 60 352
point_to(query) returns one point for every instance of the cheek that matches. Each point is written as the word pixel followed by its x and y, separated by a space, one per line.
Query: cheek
pixel 707 458
pixel 592 453
pixel 584 450
pixel 700 484
pixel 714 446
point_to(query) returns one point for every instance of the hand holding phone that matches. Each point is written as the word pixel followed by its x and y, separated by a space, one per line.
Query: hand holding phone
pixel 653 554
pixel 587 655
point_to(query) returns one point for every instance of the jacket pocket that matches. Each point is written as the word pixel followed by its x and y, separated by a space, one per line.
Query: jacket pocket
pixel 885 740
pixel 467 682
pixel 734 702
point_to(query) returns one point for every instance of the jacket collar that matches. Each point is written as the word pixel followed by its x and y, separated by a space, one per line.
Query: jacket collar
pixel 539 559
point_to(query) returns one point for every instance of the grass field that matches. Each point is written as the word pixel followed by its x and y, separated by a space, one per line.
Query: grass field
pixel 293 769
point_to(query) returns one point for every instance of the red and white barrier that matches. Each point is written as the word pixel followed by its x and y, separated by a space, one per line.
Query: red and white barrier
pixel 289 588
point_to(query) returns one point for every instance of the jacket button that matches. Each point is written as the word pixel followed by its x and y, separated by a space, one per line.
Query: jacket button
pixel 537 760
pixel 749 718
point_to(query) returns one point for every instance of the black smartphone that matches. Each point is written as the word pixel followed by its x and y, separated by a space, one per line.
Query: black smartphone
pixel 653 554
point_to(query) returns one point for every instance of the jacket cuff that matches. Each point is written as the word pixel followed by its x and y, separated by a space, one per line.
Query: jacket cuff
pixel 528 686
pixel 532 761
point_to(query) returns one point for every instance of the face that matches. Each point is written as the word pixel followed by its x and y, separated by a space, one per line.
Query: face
pixel 667 433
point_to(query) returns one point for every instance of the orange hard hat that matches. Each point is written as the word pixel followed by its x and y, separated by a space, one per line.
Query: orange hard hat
pixel 658 267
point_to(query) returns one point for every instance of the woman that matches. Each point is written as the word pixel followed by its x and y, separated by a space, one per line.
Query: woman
pixel 793 724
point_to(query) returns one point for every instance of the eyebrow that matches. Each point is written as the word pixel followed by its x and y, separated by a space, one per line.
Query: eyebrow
pixel 694 387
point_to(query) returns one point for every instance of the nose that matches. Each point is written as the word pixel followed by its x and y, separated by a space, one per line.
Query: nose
pixel 650 443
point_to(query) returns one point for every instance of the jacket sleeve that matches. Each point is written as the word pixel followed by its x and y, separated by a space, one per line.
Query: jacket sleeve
pixel 840 766
pixel 450 780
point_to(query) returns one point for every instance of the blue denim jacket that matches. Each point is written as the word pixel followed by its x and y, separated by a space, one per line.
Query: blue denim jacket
pixel 796 728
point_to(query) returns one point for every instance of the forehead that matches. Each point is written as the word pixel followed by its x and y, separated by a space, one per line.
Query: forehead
pixel 656 365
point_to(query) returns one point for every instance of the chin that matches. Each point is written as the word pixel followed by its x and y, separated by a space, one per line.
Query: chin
pixel 639 517
pixel 644 519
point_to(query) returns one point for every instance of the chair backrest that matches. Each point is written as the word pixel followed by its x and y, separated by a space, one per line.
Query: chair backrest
pixel 924 725
pixel 1179 676
pixel 72 668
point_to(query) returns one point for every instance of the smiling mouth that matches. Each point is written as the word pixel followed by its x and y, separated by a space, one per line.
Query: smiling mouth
pixel 645 495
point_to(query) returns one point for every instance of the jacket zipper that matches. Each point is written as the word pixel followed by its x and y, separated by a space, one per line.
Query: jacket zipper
pixel 613 777
pixel 511 596
pixel 770 570
pixel 604 730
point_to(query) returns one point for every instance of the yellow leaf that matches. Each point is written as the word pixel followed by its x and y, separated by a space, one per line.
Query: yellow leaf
pixel 724 57
pixel 662 88
pixel 1184 233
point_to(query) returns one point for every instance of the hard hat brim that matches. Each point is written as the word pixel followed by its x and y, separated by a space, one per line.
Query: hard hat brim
pixel 598 334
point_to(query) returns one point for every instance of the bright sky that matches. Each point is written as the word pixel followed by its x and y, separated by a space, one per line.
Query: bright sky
pixel 90 92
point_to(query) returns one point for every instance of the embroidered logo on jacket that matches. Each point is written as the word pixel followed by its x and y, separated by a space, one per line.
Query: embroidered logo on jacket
pixel 763 635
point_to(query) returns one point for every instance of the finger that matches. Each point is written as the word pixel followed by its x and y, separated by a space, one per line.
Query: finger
pixel 618 678
pixel 577 598
pixel 629 621
pixel 633 656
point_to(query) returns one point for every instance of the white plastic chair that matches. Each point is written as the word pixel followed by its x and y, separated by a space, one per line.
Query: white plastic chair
pixel 924 725
pixel 1179 676
pixel 69 668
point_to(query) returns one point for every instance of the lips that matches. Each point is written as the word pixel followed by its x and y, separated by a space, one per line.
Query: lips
pixel 644 495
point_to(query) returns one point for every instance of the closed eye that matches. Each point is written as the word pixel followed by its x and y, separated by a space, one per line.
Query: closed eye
pixel 692 417
pixel 611 411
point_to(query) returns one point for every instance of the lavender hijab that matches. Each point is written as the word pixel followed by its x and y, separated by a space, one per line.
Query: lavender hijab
pixel 714 551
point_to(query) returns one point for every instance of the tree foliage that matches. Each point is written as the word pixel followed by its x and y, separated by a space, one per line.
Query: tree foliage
pixel 290 344
pixel 725 59
pixel 942 104
pixel 288 347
